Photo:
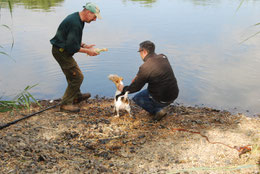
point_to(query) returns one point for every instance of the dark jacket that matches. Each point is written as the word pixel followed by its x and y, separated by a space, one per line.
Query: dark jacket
pixel 69 34
pixel 157 72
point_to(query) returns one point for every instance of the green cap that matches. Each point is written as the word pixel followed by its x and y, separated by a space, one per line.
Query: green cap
pixel 93 8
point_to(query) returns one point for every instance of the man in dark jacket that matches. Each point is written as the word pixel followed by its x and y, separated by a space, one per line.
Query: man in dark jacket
pixel 66 43
pixel 162 87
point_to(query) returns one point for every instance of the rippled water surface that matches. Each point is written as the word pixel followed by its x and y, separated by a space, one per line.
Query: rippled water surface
pixel 202 40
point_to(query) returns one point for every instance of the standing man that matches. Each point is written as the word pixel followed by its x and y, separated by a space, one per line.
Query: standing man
pixel 67 42
pixel 162 85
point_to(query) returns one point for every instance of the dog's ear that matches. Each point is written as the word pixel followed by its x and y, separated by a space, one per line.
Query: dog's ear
pixel 117 80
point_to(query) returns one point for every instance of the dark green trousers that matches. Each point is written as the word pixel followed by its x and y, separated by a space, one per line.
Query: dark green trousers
pixel 72 72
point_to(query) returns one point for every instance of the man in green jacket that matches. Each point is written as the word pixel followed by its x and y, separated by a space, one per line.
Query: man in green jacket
pixel 67 42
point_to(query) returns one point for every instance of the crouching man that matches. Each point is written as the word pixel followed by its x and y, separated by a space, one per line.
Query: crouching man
pixel 162 87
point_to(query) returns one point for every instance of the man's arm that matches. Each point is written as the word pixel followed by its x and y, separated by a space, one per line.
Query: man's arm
pixel 137 83
pixel 83 45
pixel 88 51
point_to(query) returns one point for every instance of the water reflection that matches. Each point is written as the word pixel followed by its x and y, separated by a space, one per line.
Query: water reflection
pixel 204 2
pixel 33 4
pixel 145 3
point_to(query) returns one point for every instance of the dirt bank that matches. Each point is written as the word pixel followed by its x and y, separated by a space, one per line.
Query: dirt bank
pixel 188 140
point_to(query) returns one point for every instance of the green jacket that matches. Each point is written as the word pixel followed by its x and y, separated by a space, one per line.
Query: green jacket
pixel 69 34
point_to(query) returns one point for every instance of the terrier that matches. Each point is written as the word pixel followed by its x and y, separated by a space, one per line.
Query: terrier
pixel 121 102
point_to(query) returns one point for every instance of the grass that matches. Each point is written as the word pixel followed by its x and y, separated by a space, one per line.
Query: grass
pixel 8 28
pixel 257 24
pixel 23 100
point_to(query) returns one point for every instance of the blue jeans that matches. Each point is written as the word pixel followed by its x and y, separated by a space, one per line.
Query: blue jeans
pixel 145 101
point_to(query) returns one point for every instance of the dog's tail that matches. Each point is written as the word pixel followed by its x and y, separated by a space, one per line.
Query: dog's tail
pixel 124 98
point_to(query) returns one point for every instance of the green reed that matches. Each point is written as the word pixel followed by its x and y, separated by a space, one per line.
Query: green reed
pixel 255 25
pixel 3 52
pixel 23 100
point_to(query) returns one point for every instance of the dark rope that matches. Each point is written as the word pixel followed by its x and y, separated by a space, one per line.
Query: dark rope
pixel 27 116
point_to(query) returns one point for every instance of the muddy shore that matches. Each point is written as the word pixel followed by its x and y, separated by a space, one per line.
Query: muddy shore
pixel 187 140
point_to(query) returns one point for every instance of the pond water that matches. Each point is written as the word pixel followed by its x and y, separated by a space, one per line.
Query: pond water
pixel 202 39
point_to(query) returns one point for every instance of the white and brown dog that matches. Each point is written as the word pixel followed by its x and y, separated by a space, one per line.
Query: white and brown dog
pixel 121 102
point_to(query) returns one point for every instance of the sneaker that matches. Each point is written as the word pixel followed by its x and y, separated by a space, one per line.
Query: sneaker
pixel 159 115
pixel 82 97
pixel 69 108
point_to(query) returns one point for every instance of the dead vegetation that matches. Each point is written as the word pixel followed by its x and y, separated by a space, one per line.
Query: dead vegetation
pixel 94 141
